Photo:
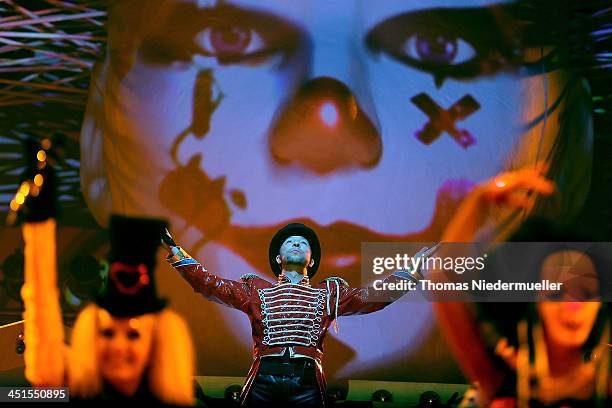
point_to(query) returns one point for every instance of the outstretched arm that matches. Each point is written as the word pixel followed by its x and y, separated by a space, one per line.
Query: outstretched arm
pixel 364 300
pixel 224 291
pixel 43 328
pixel 457 320
pixel 43 331
pixel 368 299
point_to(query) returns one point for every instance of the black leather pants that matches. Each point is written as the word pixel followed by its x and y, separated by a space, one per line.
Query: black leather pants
pixel 292 384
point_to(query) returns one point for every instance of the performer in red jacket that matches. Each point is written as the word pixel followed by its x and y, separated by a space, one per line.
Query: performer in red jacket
pixel 289 318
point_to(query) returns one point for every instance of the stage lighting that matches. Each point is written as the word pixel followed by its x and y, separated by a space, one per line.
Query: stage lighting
pixel 20 344
pixel 12 269
pixel 382 396
pixel 232 393
pixel 84 280
pixel 430 399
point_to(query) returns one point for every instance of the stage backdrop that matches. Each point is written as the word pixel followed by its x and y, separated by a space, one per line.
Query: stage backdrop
pixel 367 120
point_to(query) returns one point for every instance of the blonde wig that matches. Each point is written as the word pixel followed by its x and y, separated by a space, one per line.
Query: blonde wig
pixel 171 367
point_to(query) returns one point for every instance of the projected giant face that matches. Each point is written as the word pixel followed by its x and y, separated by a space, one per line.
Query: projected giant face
pixel 367 120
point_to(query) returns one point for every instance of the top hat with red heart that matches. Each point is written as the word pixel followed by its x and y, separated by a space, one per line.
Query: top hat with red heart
pixel 130 290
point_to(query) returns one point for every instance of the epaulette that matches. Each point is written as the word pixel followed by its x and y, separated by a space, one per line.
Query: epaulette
pixel 335 279
pixel 247 277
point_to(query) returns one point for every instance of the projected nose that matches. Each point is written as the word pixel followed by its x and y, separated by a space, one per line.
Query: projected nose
pixel 323 129
pixel 328 112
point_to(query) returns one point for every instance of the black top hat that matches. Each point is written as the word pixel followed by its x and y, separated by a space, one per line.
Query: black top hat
pixel 131 290
pixel 288 231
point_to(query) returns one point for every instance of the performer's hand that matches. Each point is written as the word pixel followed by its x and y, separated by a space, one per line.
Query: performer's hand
pixel 425 251
pixel 35 198
pixel 167 240
pixel 513 188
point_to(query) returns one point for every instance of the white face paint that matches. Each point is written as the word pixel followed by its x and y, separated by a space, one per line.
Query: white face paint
pixel 153 116
pixel 295 250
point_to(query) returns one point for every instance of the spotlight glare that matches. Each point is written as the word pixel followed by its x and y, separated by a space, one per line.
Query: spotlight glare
pixel 41 155
pixel 329 114
pixel 25 188
pixel 19 198
pixel 38 180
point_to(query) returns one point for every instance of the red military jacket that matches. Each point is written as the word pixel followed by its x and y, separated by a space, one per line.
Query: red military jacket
pixel 284 316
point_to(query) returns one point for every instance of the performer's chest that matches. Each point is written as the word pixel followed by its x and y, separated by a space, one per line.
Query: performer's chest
pixel 292 314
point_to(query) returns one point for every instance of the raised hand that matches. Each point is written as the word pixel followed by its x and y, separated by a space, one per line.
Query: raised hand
pixel 513 188
pixel 35 198
pixel 425 251
pixel 167 240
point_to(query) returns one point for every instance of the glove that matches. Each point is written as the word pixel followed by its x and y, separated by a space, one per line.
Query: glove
pixel 36 198
pixel 167 240
pixel 424 252
pixel 44 205
pixel 427 251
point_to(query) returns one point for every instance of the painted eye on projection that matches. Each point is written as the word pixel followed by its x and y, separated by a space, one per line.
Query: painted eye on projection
pixel 462 43
pixel 438 49
pixel 235 41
